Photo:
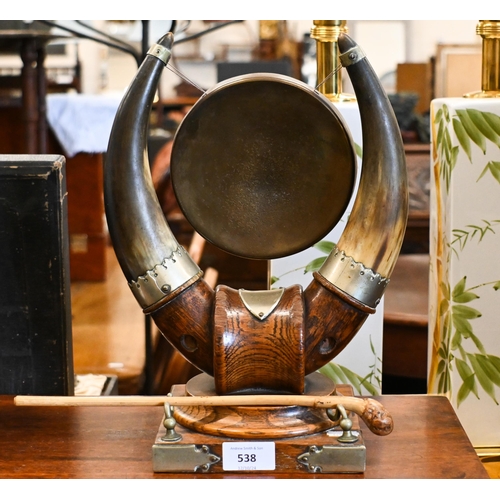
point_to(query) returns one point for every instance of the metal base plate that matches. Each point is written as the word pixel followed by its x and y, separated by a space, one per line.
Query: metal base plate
pixel 317 453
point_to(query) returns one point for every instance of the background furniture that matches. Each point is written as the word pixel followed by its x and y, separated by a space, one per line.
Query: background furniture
pixel 406 300
pixel 35 311
pixel 24 130
pixel 31 46
pixel 457 69
pixel 416 78
pixel 80 126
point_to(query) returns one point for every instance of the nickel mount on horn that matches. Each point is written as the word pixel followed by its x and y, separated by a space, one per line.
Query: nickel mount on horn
pixel 263 166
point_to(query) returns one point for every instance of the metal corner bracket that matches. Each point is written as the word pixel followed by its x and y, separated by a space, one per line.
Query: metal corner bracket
pixel 183 458
pixel 343 458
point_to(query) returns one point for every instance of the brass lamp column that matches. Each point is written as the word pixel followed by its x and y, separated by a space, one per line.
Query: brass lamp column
pixel 326 34
pixel 490 78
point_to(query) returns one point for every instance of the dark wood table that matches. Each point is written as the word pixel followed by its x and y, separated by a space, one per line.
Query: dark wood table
pixel 115 442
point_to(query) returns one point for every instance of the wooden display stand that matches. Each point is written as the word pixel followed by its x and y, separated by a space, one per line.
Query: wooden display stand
pixel 285 440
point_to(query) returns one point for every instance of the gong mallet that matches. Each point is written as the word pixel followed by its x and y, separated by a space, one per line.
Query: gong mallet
pixel 373 414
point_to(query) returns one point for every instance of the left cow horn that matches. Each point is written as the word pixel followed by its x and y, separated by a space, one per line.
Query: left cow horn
pixel 157 268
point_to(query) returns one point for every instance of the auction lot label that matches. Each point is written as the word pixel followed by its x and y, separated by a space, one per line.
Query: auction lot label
pixel 248 456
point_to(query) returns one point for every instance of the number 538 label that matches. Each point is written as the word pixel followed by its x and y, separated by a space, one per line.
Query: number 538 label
pixel 248 456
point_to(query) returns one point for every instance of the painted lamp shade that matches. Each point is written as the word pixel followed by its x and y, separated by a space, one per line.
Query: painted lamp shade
pixel 464 300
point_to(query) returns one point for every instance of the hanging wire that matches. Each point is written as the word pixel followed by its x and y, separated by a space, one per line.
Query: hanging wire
pixel 335 71
pixel 177 72
pixel 215 27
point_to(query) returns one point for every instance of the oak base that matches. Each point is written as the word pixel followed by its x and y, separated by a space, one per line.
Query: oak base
pixel 254 422
pixel 285 452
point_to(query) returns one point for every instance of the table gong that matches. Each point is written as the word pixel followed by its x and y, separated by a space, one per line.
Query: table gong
pixel 263 166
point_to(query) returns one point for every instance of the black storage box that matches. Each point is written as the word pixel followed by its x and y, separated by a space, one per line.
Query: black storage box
pixel 36 354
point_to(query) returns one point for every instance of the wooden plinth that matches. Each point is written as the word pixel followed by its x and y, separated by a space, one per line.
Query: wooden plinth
pixel 253 422
pixel 302 439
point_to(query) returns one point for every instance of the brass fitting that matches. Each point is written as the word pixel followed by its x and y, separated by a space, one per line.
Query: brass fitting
pixel 490 77
pixel 326 34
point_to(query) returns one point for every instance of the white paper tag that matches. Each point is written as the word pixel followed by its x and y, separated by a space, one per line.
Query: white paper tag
pixel 248 456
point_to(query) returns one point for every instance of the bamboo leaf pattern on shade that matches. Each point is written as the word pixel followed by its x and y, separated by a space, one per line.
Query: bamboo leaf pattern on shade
pixel 462 236
pixel 371 382
pixel 448 154
pixel 479 120
pixel 482 376
pixel 314 265
pixel 494 168
pixel 324 247
pixel 475 367
pixel 493 121
pixel 471 127
pixel 462 137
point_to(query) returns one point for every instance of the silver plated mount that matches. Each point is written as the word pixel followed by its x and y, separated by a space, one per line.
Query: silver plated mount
pixel 354 278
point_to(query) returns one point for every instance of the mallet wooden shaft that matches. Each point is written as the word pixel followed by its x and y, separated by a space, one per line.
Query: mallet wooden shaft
pixel 350 403
pixel 371 411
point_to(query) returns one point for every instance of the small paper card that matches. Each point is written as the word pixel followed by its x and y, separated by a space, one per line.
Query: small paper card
pixel 248 456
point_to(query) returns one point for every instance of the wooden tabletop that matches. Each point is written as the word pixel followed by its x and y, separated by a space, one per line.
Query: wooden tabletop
pixel 116 442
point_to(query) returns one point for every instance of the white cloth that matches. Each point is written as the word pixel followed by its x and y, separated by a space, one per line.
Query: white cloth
pixel 90 384
pixel 82 123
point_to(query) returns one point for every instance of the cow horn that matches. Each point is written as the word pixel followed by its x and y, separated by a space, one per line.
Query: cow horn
pixel 152 260
pixel 367 251
pixel 164 279
pixel 351 282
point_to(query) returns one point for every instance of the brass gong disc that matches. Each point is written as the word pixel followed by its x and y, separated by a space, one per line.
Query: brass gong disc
pixel 263 166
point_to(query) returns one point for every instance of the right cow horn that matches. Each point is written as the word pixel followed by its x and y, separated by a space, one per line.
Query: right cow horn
pixel 357 270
